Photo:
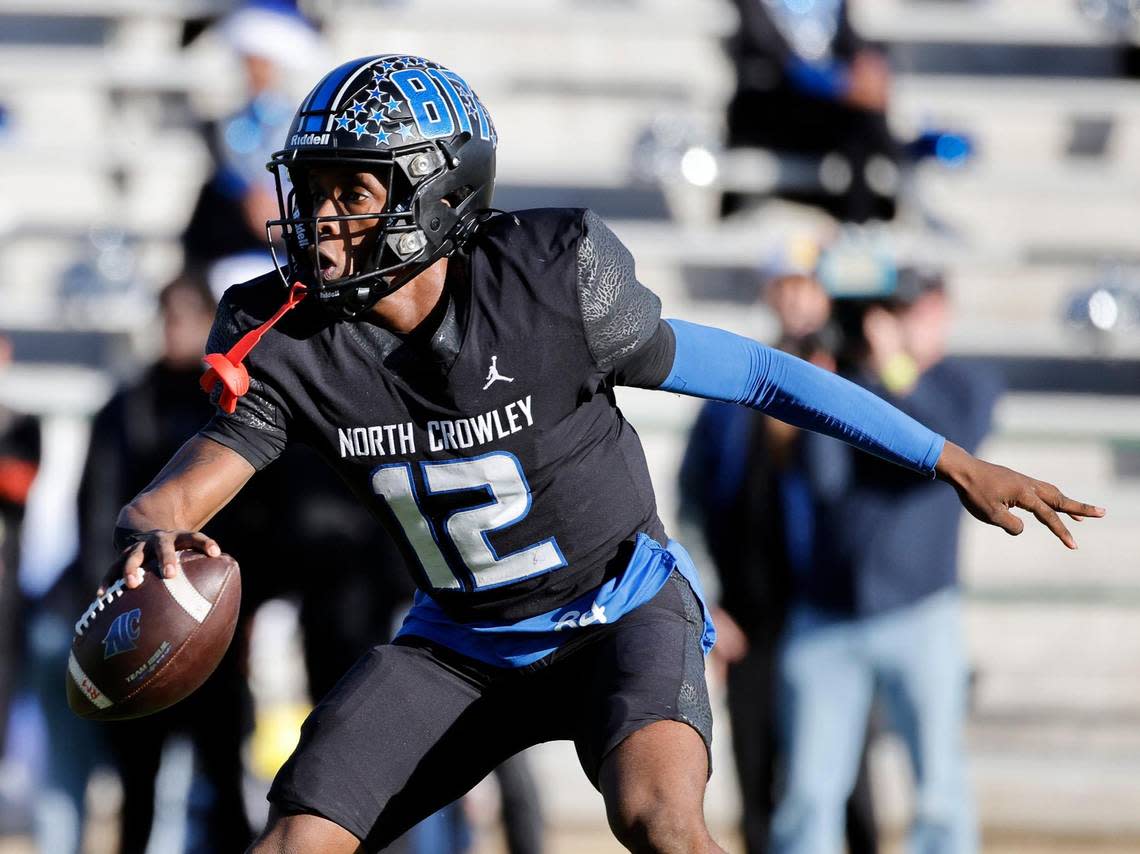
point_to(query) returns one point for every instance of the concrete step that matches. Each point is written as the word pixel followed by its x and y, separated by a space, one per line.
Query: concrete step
pixel 1074 800
pixel 653 18
pixel 1020 121
pixel 1064 796
pixel 1048 22
pixel 177 9
pixel 1075 661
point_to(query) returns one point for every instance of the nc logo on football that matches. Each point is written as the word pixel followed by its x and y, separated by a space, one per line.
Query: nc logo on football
pixel 122 634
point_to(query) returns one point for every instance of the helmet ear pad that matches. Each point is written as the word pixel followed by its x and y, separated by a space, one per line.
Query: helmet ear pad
pixel 444 201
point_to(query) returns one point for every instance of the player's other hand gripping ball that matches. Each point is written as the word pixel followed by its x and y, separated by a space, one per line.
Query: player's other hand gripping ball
pixel 137 651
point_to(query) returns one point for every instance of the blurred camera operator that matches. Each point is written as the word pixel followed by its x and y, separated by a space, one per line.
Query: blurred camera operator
pixel 743 485
pixel 879 607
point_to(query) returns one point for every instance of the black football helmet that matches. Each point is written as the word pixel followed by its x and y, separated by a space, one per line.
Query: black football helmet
pixel 421 129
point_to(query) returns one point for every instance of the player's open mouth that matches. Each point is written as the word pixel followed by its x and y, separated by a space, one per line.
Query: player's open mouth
pixel 330 268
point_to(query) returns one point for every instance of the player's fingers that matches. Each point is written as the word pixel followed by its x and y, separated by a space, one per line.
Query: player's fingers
pixel 199 542
pixel 167 555
pixel 1007 522
pixel 135 556
pixel 1049 518
pixel 132 565
pixel 1075 508
pixel 1060 502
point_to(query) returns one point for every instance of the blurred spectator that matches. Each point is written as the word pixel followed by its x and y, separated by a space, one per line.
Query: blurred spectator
pixel 807 84
pixel 801 305
pixel 741 481
pixel 271 40
pixel 877 607
pixel 521 813
pixel 19 462
pixel 131 438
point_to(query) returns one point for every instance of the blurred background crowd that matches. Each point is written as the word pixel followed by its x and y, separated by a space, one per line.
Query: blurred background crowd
pixel 935 198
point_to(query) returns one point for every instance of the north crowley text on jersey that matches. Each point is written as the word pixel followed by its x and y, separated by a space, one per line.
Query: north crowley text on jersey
pixel 380 440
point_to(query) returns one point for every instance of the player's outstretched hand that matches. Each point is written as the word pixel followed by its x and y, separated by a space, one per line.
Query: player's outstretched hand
pixel 162 548
pixel 989 492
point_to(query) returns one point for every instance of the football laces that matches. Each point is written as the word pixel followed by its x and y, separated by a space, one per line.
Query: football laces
pixel 100 603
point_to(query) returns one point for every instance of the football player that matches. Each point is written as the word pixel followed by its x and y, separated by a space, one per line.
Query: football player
pixel 456 365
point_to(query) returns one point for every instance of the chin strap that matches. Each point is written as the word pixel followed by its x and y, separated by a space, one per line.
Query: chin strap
pixel 227 368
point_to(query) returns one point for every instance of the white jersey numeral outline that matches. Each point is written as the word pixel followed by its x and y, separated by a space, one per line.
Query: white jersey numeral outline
pixel 500 477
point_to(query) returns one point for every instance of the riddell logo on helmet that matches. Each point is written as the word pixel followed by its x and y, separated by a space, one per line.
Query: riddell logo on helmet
pixel 309 139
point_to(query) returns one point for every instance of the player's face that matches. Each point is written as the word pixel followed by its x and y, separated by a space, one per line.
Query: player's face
pixel 345 246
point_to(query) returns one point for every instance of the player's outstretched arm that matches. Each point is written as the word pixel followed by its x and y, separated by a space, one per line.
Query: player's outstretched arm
pixel 989 492
pixel 200 479
pixel 719 365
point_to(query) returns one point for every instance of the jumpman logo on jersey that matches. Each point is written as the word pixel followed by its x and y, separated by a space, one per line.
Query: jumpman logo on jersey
pixel 494 374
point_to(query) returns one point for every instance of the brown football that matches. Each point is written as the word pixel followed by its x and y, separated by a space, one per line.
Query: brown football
pixel 138 651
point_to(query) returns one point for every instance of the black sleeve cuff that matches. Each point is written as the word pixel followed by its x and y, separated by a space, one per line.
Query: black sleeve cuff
pixel 259 447
pixel 649 364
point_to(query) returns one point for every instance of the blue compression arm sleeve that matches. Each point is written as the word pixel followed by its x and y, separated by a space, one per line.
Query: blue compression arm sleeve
pixel 719 365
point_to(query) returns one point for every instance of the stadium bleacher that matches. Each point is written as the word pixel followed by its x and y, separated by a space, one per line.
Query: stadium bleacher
pixel 98 133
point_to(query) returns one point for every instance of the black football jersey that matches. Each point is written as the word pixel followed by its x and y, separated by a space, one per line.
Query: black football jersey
pixel 491 445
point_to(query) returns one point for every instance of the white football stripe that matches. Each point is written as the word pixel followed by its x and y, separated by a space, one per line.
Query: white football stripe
pixel 86 687
pixel 187 595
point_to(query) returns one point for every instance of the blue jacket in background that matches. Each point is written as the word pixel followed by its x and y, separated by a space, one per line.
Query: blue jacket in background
pixel 881 537
pixel 885 538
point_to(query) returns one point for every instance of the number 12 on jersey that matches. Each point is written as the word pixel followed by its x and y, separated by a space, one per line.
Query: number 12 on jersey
pixel 497 475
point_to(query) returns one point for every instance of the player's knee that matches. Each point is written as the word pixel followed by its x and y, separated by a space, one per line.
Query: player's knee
pixel 656 822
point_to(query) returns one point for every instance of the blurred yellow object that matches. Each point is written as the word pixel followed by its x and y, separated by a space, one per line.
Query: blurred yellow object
pixel 900 374
pixel 803 252
pixel 275 733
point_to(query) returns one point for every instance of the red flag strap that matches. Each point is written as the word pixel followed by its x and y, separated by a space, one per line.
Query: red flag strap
pixel 227 368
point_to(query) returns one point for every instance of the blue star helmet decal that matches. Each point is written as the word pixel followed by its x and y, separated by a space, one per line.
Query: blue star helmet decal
pixel 405 99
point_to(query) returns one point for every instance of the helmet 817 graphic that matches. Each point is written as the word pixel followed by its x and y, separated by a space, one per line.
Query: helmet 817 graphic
pixel 426 136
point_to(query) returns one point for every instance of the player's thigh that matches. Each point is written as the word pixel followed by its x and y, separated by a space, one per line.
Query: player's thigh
pixel 408 730
pixel 652 725
pixel 647 667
